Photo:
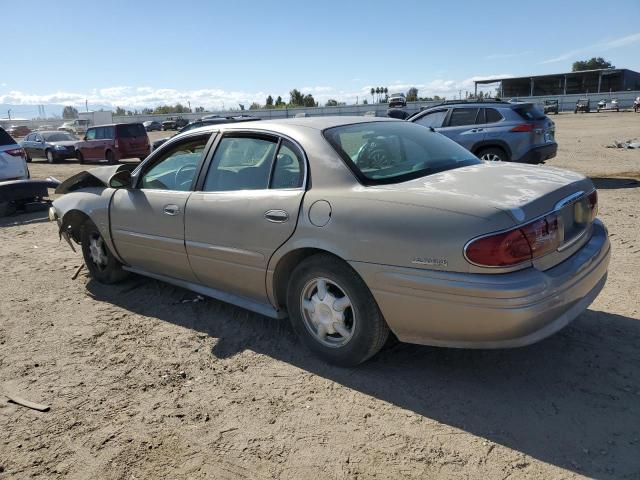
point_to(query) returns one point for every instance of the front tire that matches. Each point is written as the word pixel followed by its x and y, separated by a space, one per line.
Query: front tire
pixel 50 157
pixel 333 312
pixel 100 262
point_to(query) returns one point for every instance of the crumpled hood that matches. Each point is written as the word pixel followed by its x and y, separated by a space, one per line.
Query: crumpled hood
pixel 523 191
pixel 96 177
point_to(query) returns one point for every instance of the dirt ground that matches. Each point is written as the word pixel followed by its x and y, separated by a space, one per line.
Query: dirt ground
pixel 145 383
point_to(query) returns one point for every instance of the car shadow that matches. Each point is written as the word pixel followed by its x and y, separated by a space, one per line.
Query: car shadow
pixel 22 218
pixel 612 183
pixel 572 400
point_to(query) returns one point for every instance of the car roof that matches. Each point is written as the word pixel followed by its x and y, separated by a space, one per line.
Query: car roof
pixel 284 125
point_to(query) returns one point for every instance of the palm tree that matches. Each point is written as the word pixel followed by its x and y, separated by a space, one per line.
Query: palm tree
pixel 373 91
pixel 386 92
pixel 378 92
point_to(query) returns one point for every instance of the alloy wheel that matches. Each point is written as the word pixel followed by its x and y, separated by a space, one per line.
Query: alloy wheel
pixel 328 312
pixel 98 251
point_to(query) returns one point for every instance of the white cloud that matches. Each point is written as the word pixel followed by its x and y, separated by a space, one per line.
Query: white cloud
pixel 139 97
pixel 598 48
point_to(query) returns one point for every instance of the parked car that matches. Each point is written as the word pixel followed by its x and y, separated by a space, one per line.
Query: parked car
pixel 113 143
pixel 204 121
pixel 152 126
pixel 53 145
pixel 353 227
pixel 610 105
pixel 550 106
pixel 494 130
pixel 18 130
pixel 397 100
pixel 582 105
pixel 13 158
pixel 78 126
pixel 174 123
pixel 636 104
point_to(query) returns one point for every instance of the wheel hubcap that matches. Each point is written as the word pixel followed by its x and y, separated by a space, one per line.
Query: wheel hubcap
pixel 97 251
pixel 490 157
pixel 327 312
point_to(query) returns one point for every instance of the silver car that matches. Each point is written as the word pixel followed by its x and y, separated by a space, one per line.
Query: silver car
pixel 13 159
pixel 353 228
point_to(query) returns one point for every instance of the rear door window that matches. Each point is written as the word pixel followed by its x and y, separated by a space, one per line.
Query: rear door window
pixel 91 134
pixel 130 130
pixel 432 119
pixel 463 116
pixel 5 138
pixel 288 170
pixel 241 163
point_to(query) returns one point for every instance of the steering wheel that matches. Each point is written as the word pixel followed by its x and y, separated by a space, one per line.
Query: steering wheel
pixel 373 155
pixel 183 171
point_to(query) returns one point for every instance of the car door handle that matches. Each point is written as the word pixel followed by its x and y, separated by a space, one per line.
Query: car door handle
pixel 277 216
pixel 475 130
pixel 171 210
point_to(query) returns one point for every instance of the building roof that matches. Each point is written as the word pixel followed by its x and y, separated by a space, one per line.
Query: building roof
pixel 527 77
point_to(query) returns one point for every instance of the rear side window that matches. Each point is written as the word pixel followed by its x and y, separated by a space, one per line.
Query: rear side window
pixel 5 138
pixel 530 112
pixel 91 134
pixel 463 116
pixel 492 115
pixel 289 167
pixel 131 130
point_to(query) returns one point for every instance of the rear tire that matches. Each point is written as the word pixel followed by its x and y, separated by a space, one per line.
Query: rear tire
pixel 100 262
pixel 340 321
pixel 493 154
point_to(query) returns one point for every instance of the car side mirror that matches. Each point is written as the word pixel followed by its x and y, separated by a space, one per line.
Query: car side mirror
pixel 121 179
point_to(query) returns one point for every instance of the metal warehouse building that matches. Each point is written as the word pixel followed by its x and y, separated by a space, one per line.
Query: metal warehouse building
pixel 587 81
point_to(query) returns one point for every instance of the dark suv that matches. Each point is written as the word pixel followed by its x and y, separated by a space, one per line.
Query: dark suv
pixel 494 130
pixel 113 142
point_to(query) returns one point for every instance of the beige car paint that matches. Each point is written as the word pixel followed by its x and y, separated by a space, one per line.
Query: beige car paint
pixel 398 237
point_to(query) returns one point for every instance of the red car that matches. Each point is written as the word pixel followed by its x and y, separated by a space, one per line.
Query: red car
pixel 113 143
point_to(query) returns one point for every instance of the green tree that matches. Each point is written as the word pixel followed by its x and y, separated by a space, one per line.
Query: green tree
pixel 378 94
pixel 69 112
pixel 331 103
pixel 412 94
pixel 365 102
pixel 199 109
pixel 308 101
pixel 296 98
pixel 119 111
pixel 280 103
pixel 386 92
pixel 373 91
pixel 594 63
pixel 269 102
pixel 255 106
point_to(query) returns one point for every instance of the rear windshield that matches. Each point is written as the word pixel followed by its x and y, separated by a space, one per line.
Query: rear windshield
pixel 392 152
pixel 5 138
pixel 530 112
pixel 131 130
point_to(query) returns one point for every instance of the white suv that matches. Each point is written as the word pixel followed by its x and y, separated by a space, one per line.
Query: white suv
pixel 13 159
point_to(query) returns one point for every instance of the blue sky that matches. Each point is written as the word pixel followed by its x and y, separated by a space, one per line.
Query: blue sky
pixel 142 53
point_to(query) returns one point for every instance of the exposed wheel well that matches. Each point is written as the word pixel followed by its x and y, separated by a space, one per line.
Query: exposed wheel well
pixel 284 268
pixel 72 223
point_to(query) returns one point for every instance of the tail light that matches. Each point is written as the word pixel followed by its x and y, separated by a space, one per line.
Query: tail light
pixel 518 245
pixel 524 127
pixel 16 152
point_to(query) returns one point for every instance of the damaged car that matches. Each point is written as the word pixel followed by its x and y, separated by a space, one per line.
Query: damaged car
pixel 354 228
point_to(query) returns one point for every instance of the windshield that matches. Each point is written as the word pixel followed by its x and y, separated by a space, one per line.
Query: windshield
pixel 391 152
pixel 58 137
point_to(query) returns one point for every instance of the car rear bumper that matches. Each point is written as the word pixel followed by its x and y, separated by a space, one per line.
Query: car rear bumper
pixel 138 153
pixel 488 310
pixel 539 154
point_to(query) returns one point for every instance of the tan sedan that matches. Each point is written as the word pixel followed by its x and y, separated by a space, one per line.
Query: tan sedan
pixel 351 227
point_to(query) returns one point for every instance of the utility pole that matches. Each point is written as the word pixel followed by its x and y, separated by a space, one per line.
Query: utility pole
pixel 86 105
pixel 9 114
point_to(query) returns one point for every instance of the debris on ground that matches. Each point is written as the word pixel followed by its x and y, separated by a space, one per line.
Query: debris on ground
pixel 635 143
pixel 27 403
pixel 77 272
pixel 198 298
